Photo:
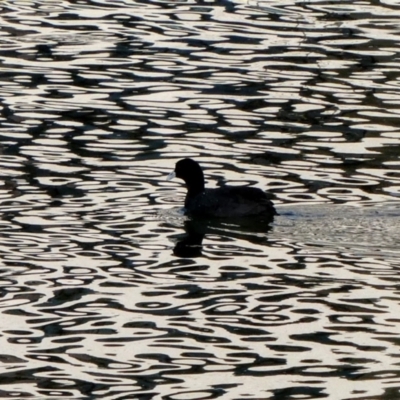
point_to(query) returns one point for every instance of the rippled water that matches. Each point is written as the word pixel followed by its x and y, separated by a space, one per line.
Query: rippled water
pixel 108 291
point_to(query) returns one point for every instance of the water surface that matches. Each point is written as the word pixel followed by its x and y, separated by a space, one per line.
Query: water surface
pixel 108 291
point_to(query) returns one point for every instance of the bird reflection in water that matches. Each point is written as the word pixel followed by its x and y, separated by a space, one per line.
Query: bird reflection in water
pixel 190 243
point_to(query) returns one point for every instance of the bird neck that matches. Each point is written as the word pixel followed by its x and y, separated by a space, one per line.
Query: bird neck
pixel 195 188
pixel 195 182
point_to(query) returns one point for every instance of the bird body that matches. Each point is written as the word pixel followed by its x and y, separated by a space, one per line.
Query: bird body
pixel 223 202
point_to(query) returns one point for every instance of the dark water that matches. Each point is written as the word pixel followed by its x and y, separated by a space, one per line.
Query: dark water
pixel 108 291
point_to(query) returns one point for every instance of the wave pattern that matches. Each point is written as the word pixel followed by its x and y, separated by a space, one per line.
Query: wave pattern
pixel 107 291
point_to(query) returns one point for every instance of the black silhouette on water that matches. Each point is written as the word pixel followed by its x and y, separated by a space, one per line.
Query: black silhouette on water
pixel 223 202
pixel 190 243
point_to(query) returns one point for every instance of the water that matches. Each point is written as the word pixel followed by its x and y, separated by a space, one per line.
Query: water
pixel 108 291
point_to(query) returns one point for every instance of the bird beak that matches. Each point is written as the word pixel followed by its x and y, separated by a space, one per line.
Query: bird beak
pixel 172 175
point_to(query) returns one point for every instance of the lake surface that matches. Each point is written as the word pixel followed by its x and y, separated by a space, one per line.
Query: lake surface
pixel 108 291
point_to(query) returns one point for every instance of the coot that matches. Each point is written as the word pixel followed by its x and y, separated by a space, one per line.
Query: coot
pixel 223 202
